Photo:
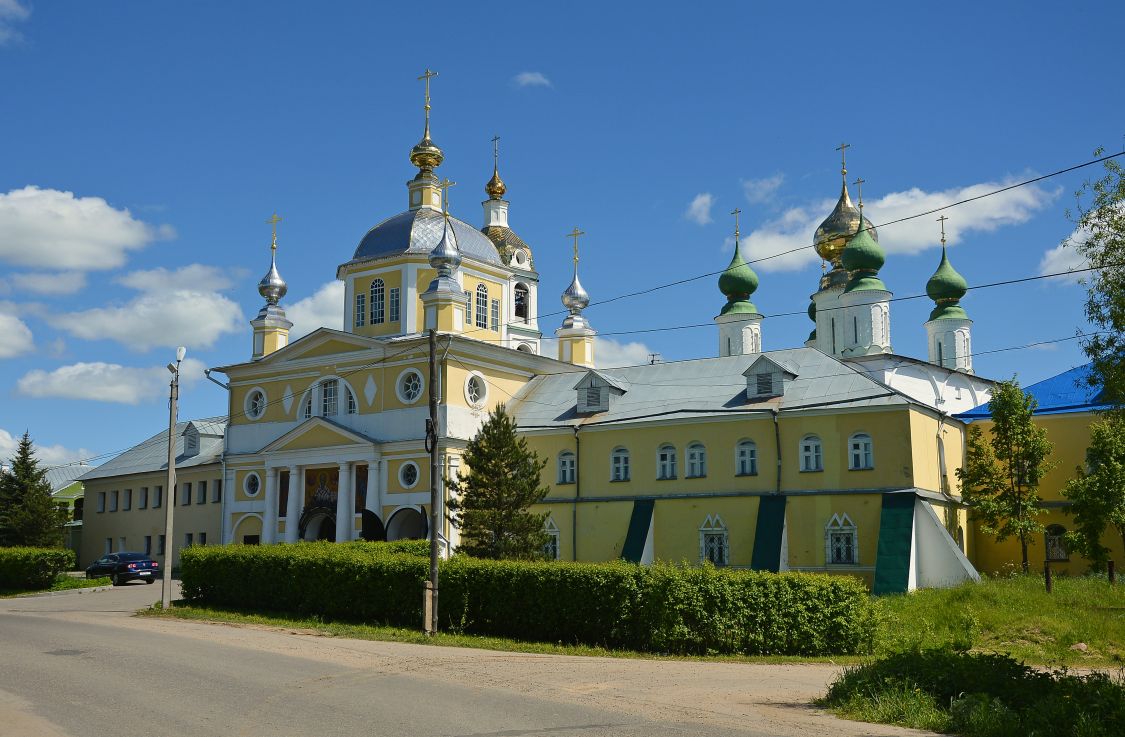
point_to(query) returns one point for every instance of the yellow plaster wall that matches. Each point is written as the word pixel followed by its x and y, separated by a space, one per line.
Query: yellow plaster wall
pixel 135 523
pixel 245 524
pixel 500 385
pixel 391 274
pixel 676 524
pixel 394 486
pixel 239 489
pixel 318 437
pixel 1070 436
pixel 807 516
pixel 926 460
pixel 891 445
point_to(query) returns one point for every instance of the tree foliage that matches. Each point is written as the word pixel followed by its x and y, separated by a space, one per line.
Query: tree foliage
pixel 1001 475
pixel 492 499
pixel 28 513
pixel 1097 493
pixel 1100 239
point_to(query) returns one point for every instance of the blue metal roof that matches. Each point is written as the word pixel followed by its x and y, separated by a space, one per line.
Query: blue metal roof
pixel 1067 392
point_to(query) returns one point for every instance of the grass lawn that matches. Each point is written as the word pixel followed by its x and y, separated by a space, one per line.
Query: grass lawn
pixel 1012 615
pixel 62 583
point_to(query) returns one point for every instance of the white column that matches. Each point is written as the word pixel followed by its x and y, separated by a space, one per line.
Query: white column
pixel 343 504
pixel 294 509
pixel 351 501
pixel 269 519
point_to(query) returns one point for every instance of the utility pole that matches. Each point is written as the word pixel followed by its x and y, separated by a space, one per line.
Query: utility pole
pixel 431 610
pixel 170 488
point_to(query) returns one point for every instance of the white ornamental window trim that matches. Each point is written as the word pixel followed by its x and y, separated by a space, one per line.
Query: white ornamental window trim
pixel 746 458
pixel 861 452
pixel 476 396
pixel 665 462
pixel 408 391
pixel 553 548
pixel 248 405
pixel 567 470
pixel 252 484
pixel 714 536
pixel 619 464
pixel 841 528
pixel 811 454
pixel 696 460
pixel 409 474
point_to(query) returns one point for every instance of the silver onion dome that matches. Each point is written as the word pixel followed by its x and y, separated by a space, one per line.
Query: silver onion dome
pixel 575 297
pixel 272 286
pixel 446 256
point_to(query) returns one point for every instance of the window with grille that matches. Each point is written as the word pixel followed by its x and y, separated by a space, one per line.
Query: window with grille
pixel 841 543
pixel 329 397
pixel 352 409
pixel 394 306
pixel 593 396
pixel 860 453
pixel 306 408
pixel 360 309
pixel 551 550
pixel 468 308
pixel 1056 543
pixel 377 302
pixel 494 315
pixel 746 458
pixel 482 306
pixel 764 383
pixel 697 461
pixel 811 454
pixel 619 465
pixel 666 462
pixel 566 468
pixel 714 541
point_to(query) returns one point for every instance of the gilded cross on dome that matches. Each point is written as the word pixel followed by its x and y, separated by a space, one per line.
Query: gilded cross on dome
pixel 843 149
pixel 575 234
pixel 942 220
pixel 444 186
pixel 736 213
pixel 428 75
pixel 274 220
pixel 859 197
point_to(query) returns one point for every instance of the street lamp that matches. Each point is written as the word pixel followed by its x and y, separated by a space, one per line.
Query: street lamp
pixel 170 494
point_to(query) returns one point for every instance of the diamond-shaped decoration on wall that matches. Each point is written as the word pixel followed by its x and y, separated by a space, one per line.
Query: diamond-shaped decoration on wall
pixel 369 390
pixel 287 399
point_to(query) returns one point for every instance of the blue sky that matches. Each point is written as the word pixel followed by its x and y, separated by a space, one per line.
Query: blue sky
pixel 145 144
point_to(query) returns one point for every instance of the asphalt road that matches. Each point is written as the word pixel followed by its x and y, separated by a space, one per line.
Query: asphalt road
pixel 80 665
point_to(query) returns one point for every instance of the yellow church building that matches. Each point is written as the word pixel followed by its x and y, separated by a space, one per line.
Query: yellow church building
pixel 833 455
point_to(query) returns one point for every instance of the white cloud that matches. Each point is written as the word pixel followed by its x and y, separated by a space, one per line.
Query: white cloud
pixel 192 276
pixel 1064 257
pixel 48 455
pixel 17 338
pixel 609 353
pixel 11 12
pixel 49 229
pixel 325 308
pixel 106 382
pixel 699 211
pixel 531 79
pixel 762 190
pixel 66 282
pixel 794 229
pixel 186 317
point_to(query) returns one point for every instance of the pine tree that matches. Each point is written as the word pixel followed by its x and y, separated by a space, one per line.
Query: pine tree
pixel 28 513
pixel 1097 494
pixel 492 500
pixel 1000 478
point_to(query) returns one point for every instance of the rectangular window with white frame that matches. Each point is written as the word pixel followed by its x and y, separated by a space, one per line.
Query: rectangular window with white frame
pixel 201 493
pixel 127 500
pixel 714 541
pixel 101 501
pixel 329 397
pixel 360 310
pixel 494 315
pixel 157 497
pixel 113 500
pixel 217 491
pixel 393 297
pixel 142 501
pixel 841 541
pixel 185 494
pixel 566 468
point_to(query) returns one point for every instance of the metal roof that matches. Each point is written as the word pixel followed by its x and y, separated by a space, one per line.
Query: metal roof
pixel 152 454
pixel 703 387
pixel 61 477
pixel 1063 393
pixel 417 232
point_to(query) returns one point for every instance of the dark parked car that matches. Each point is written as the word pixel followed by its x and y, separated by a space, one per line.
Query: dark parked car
pixel 122 567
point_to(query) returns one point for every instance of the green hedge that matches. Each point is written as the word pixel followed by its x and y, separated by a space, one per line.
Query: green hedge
pixel 33 568
pixel 662 608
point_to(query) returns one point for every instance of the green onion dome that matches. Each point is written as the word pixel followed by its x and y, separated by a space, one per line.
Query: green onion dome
pixel 863 258
pixel 946 288
pixel 737 283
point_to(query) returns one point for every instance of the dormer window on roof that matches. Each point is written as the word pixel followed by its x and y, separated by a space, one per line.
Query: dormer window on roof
pixel 766 378
pixel 191 440
pixel 595 390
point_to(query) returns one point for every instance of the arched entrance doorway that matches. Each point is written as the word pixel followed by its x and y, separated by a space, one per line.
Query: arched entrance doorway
pixel 318 523
pixel 406 524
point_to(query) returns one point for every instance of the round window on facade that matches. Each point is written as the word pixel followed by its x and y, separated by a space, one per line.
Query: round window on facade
pixel 476 389
pixel 252 484
pixel 409 386
pixel 255 404
pixel 408 474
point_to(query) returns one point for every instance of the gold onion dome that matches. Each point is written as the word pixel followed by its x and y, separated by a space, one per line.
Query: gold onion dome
pixel 839 227
pixel 495 187
pixel 426 155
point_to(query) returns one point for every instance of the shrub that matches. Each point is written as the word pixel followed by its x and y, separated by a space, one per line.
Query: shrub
pixel 33 568
pixel 663 608
pixel 987 695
